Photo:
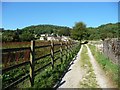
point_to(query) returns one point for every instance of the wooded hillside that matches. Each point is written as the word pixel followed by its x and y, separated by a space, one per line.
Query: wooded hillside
pixel 109 30
pixel 28 33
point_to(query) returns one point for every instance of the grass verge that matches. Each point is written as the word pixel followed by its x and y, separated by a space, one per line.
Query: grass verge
pixel 110 68
pixel 89 80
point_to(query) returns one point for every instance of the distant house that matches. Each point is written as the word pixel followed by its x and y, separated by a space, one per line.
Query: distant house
pixel 42 38
pixel 65 38
pixel 49 38
pixel 57 38
pixel 52 37
pixel 43 35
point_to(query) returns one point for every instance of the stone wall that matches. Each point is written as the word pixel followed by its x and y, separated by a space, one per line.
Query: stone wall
pixel 111 48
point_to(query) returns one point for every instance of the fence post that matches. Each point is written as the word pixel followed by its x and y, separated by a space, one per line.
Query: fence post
pixel 66 50
pixel 70 53
pixel 70 49
pixel 52 54
pixel 32 57
pixel 61 51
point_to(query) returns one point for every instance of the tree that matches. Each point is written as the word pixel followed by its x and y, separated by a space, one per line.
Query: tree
pixel 42 29
pixel 16 35
pixel 7 36
pixel 64 31
pixel 79 31
pixel 93 33
pixel 26 36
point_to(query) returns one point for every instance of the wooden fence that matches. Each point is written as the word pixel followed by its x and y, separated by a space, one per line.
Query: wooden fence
pixel 32 72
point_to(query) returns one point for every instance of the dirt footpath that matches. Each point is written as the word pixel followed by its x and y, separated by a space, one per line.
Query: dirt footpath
pixel 76 73
pixel 101 78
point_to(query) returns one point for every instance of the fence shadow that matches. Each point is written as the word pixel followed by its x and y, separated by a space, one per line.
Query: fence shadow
pixel 59 83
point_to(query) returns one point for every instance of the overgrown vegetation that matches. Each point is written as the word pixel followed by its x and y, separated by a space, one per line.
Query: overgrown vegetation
pixel 89 79
pixel 44 78
pixel 110 68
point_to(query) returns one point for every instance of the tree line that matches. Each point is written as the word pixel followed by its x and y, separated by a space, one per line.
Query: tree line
pixel 78 32
pixel 81 32
pixel 33 32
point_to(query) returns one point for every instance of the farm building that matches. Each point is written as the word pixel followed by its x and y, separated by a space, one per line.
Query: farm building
pixel 50 37
pixel 65 38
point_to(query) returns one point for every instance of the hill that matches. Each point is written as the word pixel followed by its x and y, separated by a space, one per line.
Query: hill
pixel 28 33
pixel 42 29
pixel 103 31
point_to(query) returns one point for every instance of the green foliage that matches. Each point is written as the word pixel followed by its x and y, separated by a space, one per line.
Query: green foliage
pixel 29 33
pixel 104 31
pixel 7 35
pixel 42 29
pixel 109 29
pixel 16 37
pixel 110 68
pixel 64 32
pixel 79 31
pixel 26 36
pixel 93 33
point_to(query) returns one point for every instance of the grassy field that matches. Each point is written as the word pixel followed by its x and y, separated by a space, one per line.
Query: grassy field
pixel 110 68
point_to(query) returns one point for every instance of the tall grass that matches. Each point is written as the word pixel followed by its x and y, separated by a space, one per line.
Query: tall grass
pixel 110 68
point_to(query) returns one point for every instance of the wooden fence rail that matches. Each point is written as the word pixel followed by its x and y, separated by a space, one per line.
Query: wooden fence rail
pixel 32 72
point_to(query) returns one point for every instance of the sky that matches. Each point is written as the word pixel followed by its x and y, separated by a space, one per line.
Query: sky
pixel 60 0
pixel 21 14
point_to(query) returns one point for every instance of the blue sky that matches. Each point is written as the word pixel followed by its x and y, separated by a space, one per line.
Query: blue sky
pixel 22 14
